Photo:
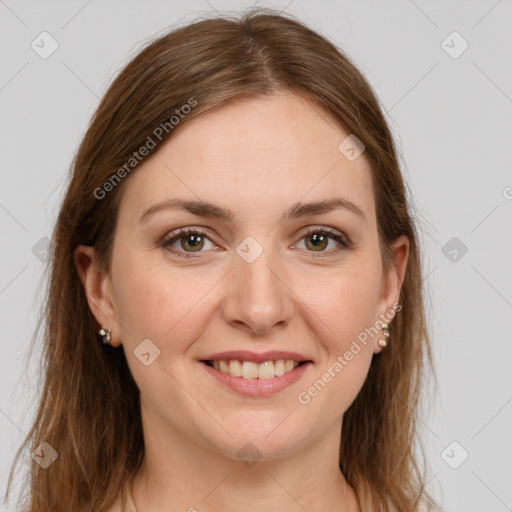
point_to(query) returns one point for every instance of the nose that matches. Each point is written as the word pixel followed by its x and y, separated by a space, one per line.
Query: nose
pixel 258 299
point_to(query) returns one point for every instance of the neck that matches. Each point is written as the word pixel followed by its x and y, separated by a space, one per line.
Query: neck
pixel 178 475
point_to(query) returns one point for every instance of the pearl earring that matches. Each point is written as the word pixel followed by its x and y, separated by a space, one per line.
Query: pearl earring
pixel 385 331
pixel 105 334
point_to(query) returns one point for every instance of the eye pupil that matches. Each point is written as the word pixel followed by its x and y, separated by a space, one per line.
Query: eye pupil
pixel 318 241
pixel 192 242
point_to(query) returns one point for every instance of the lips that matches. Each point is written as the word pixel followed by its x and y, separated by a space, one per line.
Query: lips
pixel 254 374
pixel 245 355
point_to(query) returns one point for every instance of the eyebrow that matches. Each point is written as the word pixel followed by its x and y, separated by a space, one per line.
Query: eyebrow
pixel 209 210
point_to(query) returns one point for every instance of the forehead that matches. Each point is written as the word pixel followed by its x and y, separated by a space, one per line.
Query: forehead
pixel 251 154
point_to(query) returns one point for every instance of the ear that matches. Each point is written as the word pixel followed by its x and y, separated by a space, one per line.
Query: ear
pixel 392 283
pixel 98 290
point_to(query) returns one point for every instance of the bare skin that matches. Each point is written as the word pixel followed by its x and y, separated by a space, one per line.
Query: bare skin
pixel 304 293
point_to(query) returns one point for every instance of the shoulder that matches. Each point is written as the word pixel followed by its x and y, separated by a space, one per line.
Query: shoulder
pixel 125 496
pixel 117 506
pixel 121 498
pixel 422 507
pixel 430 507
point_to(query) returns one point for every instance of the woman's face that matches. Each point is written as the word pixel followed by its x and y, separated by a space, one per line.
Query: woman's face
pixel 280 254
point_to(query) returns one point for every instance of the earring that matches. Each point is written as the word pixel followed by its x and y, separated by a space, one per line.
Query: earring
pixel 105 334
pixel 385 331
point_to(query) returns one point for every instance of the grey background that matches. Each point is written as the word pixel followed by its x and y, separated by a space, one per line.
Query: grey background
pixel 453 125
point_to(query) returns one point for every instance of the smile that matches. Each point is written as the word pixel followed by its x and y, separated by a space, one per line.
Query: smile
pixel 256 379
pixel 252 370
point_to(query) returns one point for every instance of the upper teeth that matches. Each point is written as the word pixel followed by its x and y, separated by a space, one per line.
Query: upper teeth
pixel 252 370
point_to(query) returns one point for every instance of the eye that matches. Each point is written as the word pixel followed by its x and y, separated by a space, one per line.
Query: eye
pixel 187 240
pixel 323 240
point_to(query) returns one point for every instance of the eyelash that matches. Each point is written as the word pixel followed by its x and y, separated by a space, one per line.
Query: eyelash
pixel 331 233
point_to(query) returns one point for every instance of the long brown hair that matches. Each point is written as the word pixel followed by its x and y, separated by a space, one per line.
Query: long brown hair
pixel 89 409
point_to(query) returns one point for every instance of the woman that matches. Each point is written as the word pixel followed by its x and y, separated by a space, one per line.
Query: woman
pixel 235 313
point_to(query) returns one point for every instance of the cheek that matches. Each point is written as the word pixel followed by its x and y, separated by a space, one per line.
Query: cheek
pixel 343 317
pixel 160 303
pixel 347 352
pixel 169 306
pixel 344 302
